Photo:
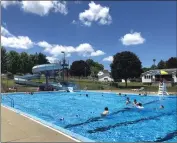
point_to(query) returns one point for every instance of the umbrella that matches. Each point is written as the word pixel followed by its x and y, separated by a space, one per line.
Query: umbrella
pixel 162 72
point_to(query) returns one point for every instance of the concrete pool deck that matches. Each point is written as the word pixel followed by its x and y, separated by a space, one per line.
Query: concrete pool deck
pixel 17 128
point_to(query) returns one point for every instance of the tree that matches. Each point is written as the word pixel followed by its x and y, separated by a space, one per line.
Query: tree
pixel 3 60
pixel 42 59
pixel 24 63
pixel 125 65
pixel 80 68
pixel 172 62
pixel 161 64
pixel 145 69
pixel 95 67
pixel 13 62
pixel 153 67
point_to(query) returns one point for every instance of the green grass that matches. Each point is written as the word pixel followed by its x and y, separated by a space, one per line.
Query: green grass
pixel 91 85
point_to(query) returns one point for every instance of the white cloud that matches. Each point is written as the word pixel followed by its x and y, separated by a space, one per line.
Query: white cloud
pixel 39 7
pixel 74 22
pixel 20 42
pixel 132 39
pixel 84 49
pixel 109 59
pixel 97 53
pixel 44 44
pixel 95 13
pixel 5 32
pixel 52 59
pixel 5 4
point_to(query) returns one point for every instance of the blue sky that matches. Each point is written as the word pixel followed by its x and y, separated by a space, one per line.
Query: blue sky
pixel 94 30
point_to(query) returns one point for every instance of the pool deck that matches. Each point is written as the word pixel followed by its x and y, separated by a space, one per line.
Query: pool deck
pixel 17 128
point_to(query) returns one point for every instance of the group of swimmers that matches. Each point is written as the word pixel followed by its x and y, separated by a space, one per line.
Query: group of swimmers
pixel 138 104
pixel 31 93
pixel 135 103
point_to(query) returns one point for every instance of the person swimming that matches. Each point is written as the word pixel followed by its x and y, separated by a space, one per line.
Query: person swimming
pixel 106 112
pixel 61 119
pixel 134 102
pixel 161 107
pixel 137 104
pixel 128 101
pixel 86 95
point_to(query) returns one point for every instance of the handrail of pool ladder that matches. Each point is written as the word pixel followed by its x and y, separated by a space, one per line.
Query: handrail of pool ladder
pixel 12 101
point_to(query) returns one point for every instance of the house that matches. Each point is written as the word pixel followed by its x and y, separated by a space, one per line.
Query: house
pixel 154 76
pixel 104 76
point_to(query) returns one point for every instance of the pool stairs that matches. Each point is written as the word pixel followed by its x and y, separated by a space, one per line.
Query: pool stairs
pixel 162 89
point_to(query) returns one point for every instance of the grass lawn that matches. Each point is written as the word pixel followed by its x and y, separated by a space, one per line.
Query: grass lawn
pixel 91 85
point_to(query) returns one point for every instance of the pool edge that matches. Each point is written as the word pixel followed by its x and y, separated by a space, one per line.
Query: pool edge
pixel 75 137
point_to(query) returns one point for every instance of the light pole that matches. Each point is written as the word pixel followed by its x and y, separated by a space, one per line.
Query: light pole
pixel 63 63
pixel 154 62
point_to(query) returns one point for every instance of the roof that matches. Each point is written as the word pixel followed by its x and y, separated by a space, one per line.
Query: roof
pixel 104 75
pixel 157 71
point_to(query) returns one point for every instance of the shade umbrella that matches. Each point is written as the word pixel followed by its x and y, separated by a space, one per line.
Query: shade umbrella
pixel 162 72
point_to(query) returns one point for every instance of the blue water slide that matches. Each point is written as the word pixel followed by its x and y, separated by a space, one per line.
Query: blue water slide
pixel 46 67
pixel 37 70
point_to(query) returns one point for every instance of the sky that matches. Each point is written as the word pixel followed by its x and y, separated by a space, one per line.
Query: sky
pixel 90 29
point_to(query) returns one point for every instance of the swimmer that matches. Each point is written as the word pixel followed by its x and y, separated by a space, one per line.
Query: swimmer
pixel 139 105
pixel 128 101
pixel 125 95
pixel 119 93
pixel 161 107
pixel 135 102
pixel 61 119
pixel 86 95
pixel 106 112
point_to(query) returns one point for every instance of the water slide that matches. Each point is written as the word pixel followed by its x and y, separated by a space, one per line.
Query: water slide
pixel 47 69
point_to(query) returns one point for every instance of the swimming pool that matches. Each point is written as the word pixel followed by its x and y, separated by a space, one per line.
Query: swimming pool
pixel 82 115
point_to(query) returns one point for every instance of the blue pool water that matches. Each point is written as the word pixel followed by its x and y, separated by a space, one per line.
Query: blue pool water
pixel 82 115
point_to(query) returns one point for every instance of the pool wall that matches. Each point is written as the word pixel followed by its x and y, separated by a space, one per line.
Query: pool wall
pixel 67 133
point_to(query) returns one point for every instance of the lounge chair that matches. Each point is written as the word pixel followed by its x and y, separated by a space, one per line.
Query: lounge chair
pixel 85 88
pixel 140 89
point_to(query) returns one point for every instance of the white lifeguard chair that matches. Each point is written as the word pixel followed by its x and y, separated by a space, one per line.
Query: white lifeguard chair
pixel 162 89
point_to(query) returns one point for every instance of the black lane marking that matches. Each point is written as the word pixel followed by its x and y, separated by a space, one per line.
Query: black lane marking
pixel 103 129
pixel 167 137
pixel 97 118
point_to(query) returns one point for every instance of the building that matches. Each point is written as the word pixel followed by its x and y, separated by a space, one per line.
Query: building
pixel 104 76
pixel 154 76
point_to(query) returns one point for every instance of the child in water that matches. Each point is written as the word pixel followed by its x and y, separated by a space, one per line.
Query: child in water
pixel 128 101
pixel 106 112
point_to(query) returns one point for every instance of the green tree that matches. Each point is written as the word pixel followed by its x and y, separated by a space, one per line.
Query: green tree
pixel 125 65
pixel 172 62
pixel 13 62
pixel 42 59
pixel 153 67
pixel 24 63
pixel 145 69
pixel 80 68
pixel 95 67
pixel 3 60
pixel 161 64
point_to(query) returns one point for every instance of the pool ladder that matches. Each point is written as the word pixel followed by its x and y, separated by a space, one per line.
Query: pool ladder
pixel 11 100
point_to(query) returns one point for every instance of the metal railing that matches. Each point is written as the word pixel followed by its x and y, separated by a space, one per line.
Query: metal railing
pixel 11 100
